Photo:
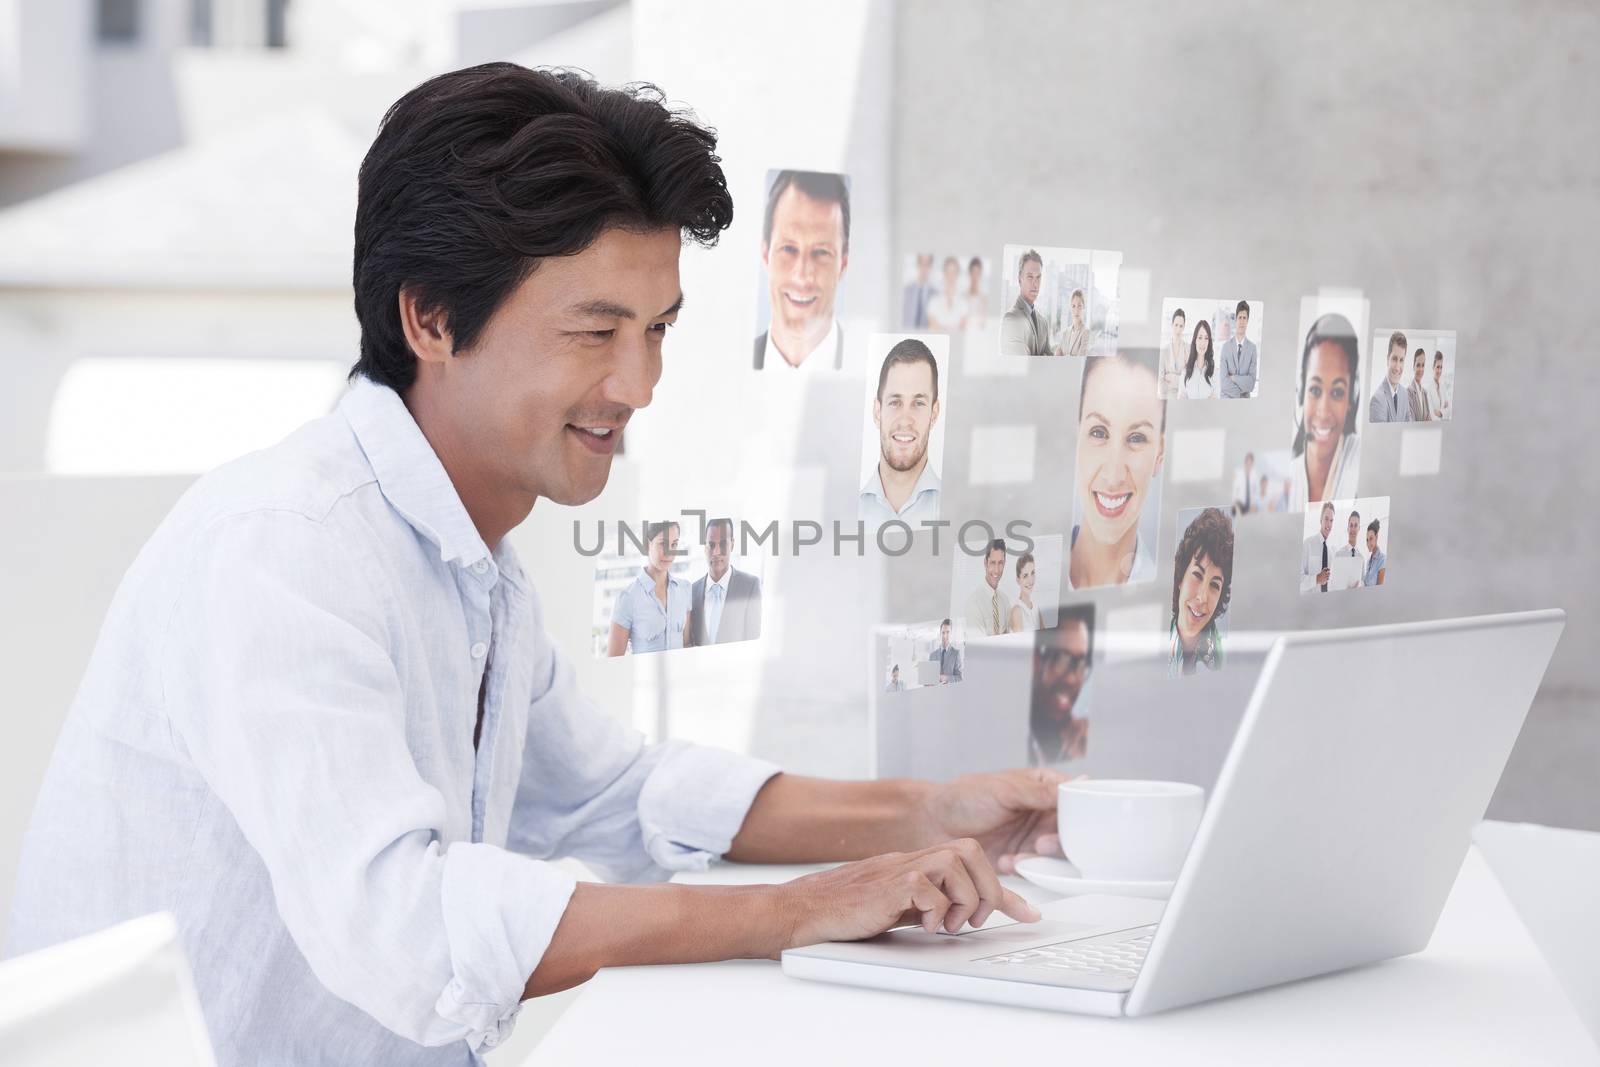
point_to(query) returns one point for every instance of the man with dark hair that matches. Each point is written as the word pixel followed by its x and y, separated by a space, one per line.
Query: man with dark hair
pixel 1417 392
pixel 323 725
pixel 1350 550
pixel 988 609
pixel 1315 567
pixel 725 602
pixel 904 486
pixel 1063 657
pixel 1389 404
pixel 946 656
pixel 1239 357
pixel 805 248
pixel 918 295
pixel 1023 331
pixel 1245 498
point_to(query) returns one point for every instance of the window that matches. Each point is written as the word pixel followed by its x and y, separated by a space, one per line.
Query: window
pixel 117 21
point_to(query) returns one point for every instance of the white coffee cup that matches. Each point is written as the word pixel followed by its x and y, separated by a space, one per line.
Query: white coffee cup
pixel 1128 830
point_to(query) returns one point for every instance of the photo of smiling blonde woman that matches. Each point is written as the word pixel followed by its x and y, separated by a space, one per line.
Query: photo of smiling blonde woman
pixel 1327 445
pixel 1121 442
pixel 1202 585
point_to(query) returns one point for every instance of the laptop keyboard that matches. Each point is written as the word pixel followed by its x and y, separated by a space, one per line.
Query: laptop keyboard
pixel 1117 955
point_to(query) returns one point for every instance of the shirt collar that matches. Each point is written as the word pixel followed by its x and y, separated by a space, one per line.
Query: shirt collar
pixel 927 481
pixel 827 347
pixel 409 473
pixel 727 576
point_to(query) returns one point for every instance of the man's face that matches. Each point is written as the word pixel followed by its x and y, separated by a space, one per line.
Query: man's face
pixel 1397 363
pixel 994 565
pixel 1241 322
pixel 905 415
pixel 1029 278
pixel 924 268
pixel 805 259
pixel 719 546
pixel 944 635
pixel 1355 528
pixel 1327 522
pixel 1060 668
pixel 1417 365
pixel 541 398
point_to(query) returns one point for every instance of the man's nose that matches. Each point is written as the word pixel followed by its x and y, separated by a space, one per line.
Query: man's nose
pixel 634 373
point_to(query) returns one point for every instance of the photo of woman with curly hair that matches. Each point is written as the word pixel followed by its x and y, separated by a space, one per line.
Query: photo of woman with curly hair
pixel 1202 584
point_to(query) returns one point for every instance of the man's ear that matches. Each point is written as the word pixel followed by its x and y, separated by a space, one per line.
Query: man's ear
pixel 766 250
pixel 934 421
pixel 844 261
pixel 877 413
pixel 425 330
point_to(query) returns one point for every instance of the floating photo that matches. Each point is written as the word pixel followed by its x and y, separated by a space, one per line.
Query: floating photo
pixel 902 438
pixel 1009 588
pixel 1413 376
pixel 1328 403
pixel 945 294
pixel 1346 545
pixel 1058 301
pixel 1263 483
pixel 668 584
pixel 929 653
pixel 1202 587
pixel 805 250
pixel 1210 348
pixel 1059 699
pixel 1120 445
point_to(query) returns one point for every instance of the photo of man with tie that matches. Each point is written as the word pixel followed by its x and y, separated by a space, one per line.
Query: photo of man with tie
pixel 1388 403
pixel 1023 330
pixel 1315 559
pixel 1239 357
pixel 988 609
pixel 1418 392
pixel 947 656
pixel 918 295
pixel 724 603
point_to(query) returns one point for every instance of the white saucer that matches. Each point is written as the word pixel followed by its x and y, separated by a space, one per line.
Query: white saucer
pixel 1059 876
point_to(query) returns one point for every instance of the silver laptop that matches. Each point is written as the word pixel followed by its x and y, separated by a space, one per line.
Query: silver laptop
pixel 1334 834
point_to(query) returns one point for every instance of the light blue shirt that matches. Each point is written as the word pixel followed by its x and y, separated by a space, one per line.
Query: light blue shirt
pixel 274 741
pixel 923 503
pixel 1375 563
pixel 716 597
pixel 652 627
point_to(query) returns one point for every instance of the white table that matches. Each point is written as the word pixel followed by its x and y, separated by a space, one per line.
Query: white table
pixel 1480 994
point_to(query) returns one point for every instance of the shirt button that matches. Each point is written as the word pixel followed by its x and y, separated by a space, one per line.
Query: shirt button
pixel 479 650
pixel 480 567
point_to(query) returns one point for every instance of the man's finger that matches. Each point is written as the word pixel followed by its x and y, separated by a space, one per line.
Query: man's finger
pixel 1019 909
pixel 926 899
pixel 947 869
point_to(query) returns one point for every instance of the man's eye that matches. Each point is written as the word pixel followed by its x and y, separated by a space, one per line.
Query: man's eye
pixel 660 327
pixel 600 335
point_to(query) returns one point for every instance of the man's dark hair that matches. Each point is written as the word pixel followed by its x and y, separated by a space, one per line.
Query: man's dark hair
pixel 1243 308
pixel 943 624
pixel 1420 353
pixel 997 545
pixel 909 350
pixel 818 185
pixel 1030 256
pixel 1209 536
pixel 477 175
pixel 1396 340
pixel 1356 515
pixel 1068 613
pixel 714 523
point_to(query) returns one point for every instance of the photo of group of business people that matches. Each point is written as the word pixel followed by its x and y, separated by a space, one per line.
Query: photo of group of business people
pixel 1211 348
pixel 1059 698
pixel 1263 483
pixel 902 433
pixel 648 602
pixel 1346 545
pixel 1415 372
pixel 1326 449
pixel 1058 301
pixel 924 654
pixel 1008 589
pixel 805 252
pixel 953 298
pixel 1117 471
pixel 1202 587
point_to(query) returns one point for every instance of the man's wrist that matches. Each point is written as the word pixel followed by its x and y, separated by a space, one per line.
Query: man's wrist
pixel 919 829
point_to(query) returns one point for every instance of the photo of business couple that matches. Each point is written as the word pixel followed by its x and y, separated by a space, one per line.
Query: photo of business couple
pixel 1008 590
pixel 1202 588
pixel 1263 483
pixel 1416 375
pixel 1212 348
pixel 1119 451
pixel 955 300
pixel 1346 545
pixel 1063 664
pixel 1326 452
pixel 805 250
pixel 929 653
pixel 1058 301
pixel 648 602
pixel 902 436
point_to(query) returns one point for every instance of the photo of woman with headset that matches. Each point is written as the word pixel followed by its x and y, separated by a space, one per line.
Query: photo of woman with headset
pixel 1327 446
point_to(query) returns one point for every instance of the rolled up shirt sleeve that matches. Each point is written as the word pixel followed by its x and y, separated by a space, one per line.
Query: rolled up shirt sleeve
pixel 280 687
pixel 591 787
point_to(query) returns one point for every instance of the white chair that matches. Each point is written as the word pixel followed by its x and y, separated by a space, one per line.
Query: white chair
pixel 124 995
